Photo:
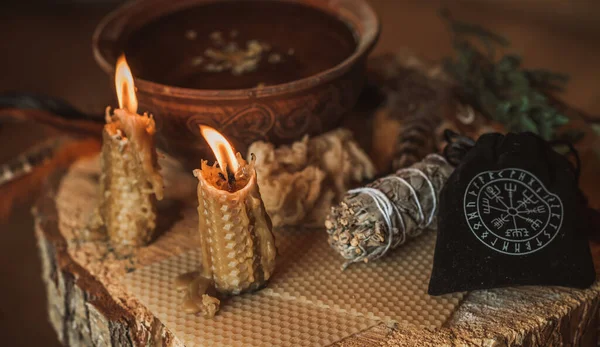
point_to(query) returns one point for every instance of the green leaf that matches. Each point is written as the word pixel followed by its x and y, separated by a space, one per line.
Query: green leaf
pixel 561 119
pixel 501 89
pixel 508 63
pixel 528 125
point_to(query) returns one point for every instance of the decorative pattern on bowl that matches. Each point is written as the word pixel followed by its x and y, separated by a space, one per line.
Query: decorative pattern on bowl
pixel 278 113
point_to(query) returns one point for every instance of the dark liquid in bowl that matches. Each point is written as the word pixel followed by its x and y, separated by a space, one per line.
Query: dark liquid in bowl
pixel 249 43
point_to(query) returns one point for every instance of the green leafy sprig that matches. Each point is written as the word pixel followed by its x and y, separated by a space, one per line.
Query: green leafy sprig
pixel 500 88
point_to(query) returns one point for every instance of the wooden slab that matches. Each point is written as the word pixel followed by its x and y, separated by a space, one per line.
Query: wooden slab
pixel 88 306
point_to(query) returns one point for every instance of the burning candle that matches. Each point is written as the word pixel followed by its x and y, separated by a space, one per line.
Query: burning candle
pixel 130 181
pixel 238 247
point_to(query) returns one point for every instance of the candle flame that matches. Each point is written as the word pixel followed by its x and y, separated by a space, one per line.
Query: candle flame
pixel 124 86
pixel 221 148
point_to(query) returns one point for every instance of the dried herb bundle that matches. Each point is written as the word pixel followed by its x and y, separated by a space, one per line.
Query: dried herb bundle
pixel 500 88
pixel 371 220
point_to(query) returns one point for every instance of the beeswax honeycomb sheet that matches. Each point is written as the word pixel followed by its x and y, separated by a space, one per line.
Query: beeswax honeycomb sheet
pixel 255 319
pixel 309 300
pixel 392 289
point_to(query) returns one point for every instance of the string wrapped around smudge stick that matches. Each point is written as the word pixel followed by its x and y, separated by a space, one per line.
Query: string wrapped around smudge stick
pixel 381 216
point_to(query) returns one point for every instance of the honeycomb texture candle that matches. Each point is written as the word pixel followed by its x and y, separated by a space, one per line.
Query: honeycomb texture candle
pixel 238 247
pixel 130 182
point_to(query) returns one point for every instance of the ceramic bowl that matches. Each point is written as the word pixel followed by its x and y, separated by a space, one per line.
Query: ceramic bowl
pixel 279 113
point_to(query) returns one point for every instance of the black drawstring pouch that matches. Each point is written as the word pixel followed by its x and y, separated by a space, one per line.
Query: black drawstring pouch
pixel 510 214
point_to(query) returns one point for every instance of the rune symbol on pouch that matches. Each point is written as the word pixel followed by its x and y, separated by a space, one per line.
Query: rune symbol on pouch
pixel 515 208
pixel 500 221
pixel 493 193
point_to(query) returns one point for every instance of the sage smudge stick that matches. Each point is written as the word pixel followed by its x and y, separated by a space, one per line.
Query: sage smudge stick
pixel 381 216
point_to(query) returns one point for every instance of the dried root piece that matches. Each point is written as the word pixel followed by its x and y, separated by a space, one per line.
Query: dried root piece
pixel 130 183
pixel 371 220
pixel 299 182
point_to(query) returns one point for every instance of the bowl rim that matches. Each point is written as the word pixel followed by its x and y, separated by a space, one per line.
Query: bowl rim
pixel 362 19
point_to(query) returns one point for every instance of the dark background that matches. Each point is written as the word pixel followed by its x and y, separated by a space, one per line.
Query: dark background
pixel 46 48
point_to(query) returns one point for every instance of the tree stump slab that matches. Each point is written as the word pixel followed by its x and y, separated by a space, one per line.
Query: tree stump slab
pixel 89 306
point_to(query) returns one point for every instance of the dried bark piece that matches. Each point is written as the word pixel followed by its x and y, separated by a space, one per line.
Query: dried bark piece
pixel 299 182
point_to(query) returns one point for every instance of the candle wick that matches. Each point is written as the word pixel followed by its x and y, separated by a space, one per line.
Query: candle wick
pixel 230 179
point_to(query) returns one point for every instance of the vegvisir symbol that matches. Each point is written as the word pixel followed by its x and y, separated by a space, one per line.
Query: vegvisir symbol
pixel 493 193
pixel 486 206
pixel 527 199
pixel 500 221
pixel 514 206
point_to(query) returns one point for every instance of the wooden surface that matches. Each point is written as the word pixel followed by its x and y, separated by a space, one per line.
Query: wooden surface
pixel 81 309
pixel 90 305
pixel 48 51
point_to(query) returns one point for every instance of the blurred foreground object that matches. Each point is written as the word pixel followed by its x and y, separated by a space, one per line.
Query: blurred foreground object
pixel 23 176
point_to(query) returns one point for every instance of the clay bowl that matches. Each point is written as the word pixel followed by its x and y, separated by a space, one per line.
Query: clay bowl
pixel 279 112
